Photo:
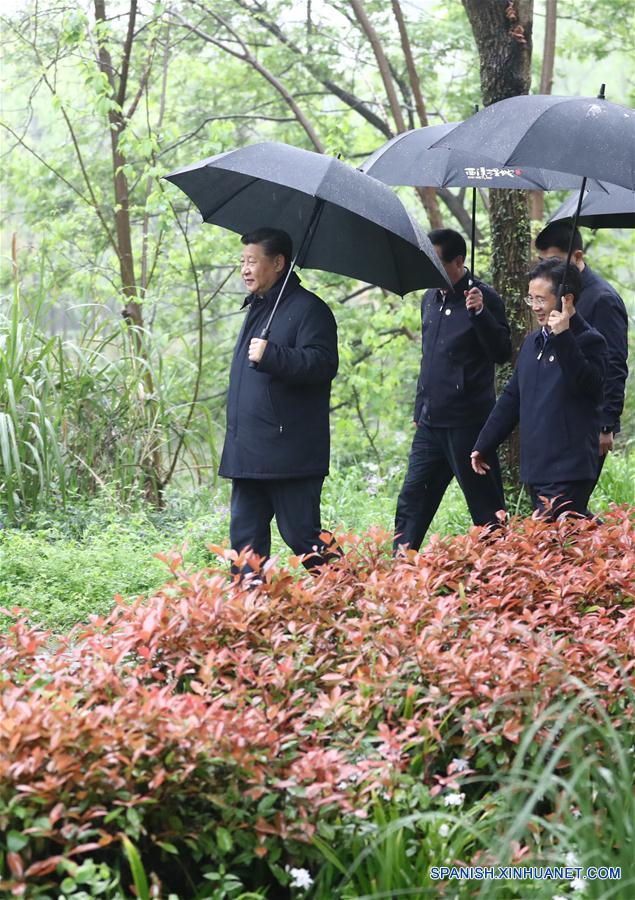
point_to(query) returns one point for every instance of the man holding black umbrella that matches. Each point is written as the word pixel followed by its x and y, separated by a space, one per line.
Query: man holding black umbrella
pixel 277 443
pixel 464 333
pixel 603 308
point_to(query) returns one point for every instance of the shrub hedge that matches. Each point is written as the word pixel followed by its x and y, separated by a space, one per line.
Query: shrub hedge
pixel 217 725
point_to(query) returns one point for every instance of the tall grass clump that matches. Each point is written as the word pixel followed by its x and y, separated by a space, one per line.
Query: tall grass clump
pixel 107 408
pixel 31 453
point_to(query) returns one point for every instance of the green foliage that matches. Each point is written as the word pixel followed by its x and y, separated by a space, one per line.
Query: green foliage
pixel 200 100
pixel 65 564
pixel 66 567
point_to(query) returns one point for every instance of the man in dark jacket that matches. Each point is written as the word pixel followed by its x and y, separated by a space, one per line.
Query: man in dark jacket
pixel 464 333
pixel 555 392
pixel 603 309
pixel 277 443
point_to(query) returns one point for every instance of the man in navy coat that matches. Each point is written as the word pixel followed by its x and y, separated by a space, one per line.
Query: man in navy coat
pixel 556 393
pixel 277 442
pixel 464 332
pixel 603 308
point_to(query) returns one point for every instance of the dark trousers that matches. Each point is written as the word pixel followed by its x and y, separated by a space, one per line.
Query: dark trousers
pixel 601 461
pixel 436 456
pixel 295 502
pixel 565 497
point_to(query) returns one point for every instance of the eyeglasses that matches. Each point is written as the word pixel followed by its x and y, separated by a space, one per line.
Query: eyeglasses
pixel 536 301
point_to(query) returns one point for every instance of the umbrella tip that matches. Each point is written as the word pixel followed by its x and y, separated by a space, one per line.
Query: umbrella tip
pixel 601 94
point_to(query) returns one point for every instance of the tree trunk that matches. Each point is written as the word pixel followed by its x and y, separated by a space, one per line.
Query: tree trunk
pixel 122 200
pixel 502 31
pixel 132 311
pixel 546 83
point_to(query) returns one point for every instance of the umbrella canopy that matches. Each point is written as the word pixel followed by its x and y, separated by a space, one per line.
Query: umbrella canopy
pixel 410 158
pixel 581 135
pixel 615 209
pixel 358 226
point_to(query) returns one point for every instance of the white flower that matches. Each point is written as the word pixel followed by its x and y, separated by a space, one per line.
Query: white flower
pixel 454 800
pixel 558 897
pixel 300 878
pixel 575 812
pixel 444 830
pixel 578 884
pixel 571 860
pixel 460 764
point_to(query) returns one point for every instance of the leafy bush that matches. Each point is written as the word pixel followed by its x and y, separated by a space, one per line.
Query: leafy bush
pixel 221 727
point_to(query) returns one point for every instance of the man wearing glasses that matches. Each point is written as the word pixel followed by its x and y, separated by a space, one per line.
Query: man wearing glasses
pixel 464 333
pixel 603 308
pixel 555 393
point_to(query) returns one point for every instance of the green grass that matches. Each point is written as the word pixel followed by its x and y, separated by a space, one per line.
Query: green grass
pixel 65 565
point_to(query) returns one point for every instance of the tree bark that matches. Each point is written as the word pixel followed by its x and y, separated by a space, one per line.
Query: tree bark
pixel 546 83
pixel 502 30
pixel 132 309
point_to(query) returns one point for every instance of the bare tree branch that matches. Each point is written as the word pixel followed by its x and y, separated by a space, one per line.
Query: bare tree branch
pixel 258 13
pixel 142 83
pixel 127 50
pixel 229 118
pixel 247 56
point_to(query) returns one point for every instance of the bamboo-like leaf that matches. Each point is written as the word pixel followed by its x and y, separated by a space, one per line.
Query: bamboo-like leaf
pixel 136 867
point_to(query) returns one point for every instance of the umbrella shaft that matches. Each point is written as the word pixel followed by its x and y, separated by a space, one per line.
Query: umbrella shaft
pixel 473 232
pixel 305 243
pixel 574 225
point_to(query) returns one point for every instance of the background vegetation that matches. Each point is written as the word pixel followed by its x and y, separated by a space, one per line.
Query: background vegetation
pixel 100 102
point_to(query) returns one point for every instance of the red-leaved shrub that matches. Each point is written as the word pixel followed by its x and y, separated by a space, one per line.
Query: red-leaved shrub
pixel 215 710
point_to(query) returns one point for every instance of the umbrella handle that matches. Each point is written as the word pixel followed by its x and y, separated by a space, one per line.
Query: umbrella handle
pixel 264 335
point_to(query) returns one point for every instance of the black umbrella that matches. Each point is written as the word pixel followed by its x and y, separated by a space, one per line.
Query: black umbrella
pixel 581 135
pixel 339 219
pixel 584 136
pixel 411 158
pixel 359 227
pixel 615 209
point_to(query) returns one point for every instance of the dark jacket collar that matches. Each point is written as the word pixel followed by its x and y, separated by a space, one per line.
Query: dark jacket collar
pixel 587 275
pixel 272 294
